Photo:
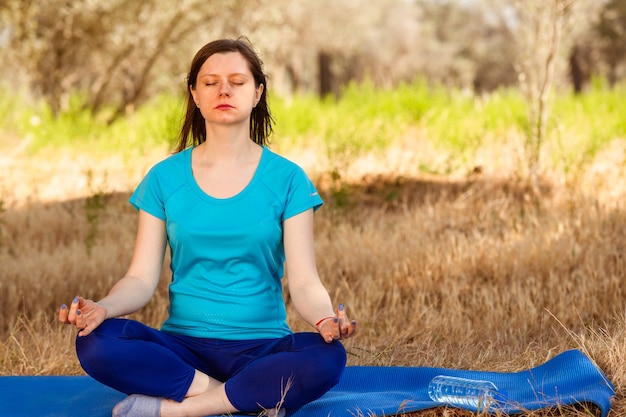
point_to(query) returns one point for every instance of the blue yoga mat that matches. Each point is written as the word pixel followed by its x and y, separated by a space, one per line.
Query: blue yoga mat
pixel 567 379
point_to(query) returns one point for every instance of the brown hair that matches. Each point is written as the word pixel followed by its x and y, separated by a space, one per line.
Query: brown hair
pixel 193 130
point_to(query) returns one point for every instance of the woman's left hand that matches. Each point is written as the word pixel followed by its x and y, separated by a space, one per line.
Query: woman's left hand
pixel 336 328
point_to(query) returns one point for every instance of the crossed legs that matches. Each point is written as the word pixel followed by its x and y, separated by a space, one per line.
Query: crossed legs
pixel 166 375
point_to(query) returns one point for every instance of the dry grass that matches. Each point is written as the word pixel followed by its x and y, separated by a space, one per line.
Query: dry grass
pixel 473 272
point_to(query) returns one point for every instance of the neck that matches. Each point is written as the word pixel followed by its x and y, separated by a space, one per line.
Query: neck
pixel 224 144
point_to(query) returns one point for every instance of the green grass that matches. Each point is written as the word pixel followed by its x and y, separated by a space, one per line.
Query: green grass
pixel 364 119
pixel 583 125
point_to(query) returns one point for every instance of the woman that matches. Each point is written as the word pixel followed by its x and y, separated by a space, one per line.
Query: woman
pixel 232 212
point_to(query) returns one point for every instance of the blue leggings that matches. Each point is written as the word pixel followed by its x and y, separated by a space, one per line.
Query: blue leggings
pixel 136 359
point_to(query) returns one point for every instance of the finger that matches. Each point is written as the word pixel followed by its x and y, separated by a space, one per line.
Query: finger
pixel 85 331
pixel 344 322
pixel 336 332
pixel 79 319
pixel 63 314
pixel 71 317
pixel 81 323
pixel 326 334
pixel 351 329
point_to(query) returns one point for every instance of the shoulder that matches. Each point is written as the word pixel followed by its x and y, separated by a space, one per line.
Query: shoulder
pixel 290 183
pixel 168 175
pixel 174 162
pixel 278 164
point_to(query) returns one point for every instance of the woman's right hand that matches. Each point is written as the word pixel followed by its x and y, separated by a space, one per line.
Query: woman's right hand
pixel 83 314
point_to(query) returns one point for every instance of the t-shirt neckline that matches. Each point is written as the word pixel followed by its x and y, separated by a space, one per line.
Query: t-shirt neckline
pixel 203 194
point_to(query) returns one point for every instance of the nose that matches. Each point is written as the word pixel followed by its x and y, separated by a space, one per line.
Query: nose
pixel 224 90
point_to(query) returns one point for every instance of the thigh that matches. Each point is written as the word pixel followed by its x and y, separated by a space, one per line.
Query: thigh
pixel 136 359
pixel 296 369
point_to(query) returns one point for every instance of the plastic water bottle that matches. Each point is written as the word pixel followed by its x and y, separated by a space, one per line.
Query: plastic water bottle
pixel 471 394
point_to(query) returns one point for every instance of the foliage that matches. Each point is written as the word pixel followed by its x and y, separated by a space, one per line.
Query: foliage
pixel 584 124
pixel 113 52
pixel 153 125
pixel 363 120
pixel 377 116
pixel 610 27
pixel 156 124
pixel 542 26
pixel 121 53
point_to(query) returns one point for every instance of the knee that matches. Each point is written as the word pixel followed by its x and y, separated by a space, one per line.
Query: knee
pixel 88 350
pixel 319 371
pixel 327 363
pixel 334 361
pixel 92 350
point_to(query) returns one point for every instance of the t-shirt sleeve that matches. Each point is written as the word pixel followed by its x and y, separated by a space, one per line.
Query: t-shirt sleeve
pixel 302 195
pixel 148 196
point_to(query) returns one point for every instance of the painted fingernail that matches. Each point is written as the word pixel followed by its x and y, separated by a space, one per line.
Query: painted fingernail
pixel 63 307
pixel 340 307
pixel 75 300
pixel 336 320
pixel 78 312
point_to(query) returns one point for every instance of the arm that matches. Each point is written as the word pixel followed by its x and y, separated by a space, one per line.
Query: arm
pixel 134 290
pixel 309 295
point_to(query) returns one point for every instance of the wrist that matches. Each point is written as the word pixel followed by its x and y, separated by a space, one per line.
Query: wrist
pixel 321 321
pixel 104 307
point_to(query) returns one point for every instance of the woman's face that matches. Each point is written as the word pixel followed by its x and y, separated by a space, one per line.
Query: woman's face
pixel 225 90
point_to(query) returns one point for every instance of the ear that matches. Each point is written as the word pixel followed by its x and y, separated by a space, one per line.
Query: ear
pixel 258 94
pixel 194 94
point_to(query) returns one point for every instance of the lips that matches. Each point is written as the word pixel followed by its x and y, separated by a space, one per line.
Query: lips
pixel 224 107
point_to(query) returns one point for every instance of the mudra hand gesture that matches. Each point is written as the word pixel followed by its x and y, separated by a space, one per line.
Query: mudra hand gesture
pixel 83 314
pixel 336 328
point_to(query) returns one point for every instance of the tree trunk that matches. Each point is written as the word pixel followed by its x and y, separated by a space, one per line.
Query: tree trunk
pixel 325 74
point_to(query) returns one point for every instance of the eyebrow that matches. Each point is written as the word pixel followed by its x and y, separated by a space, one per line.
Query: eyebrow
pixel 234 74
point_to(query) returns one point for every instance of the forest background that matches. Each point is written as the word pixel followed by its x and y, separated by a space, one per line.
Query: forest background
pixel 471 154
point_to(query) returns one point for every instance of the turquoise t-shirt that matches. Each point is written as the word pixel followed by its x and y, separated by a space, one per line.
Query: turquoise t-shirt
pixel 227 254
